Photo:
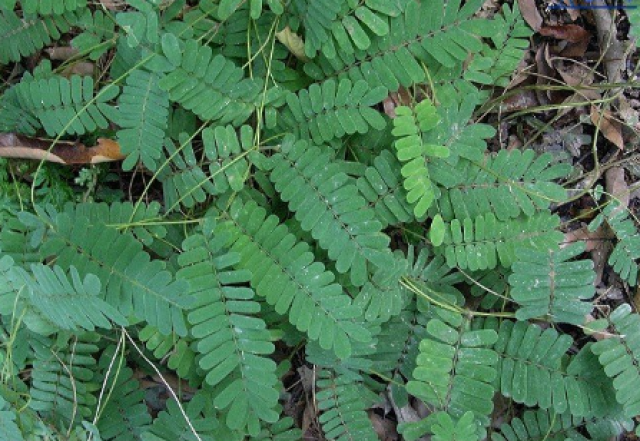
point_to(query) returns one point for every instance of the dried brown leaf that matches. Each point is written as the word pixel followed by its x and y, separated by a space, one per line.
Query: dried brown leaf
pixel 569 32
pixel 530 13
pixel 617 187
pixel 610 127
pixel 384 428
pixel 19 146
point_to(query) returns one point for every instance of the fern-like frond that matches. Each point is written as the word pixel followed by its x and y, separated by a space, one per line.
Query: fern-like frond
pixel 457 100
pixel 225 166
pixel 125 416
pixel 333 28
pixel 508 184
pixel 446 429
pixel 14 118
pixel 620 357
pixel 343 404
pixel 626 252
pixel 382 187
pixel 98 34
pixel 123 216
pixel 531 371
pixel 71 305
pixel 411 150
pixel 177 352
pixel 544 425
pixel 134 284
pixel 283 271
pixel 212 87
pixel 234 342
pixel 283 430
pixel 484 241
pixel 63 378
pixel 547 284
pixel 455 368
pixel 67 106
pixel 171 425
pixel 143 111
pixel 9 429
pixel 51 7
pixel 15 241
pixel 333 109
pixel 431 32
pixel 328 205
pixel 495 63
pixel 397 350
pixel 382 296
pixel 24 36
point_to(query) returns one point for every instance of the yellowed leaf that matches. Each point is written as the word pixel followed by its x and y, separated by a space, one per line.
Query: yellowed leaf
pixel 293 42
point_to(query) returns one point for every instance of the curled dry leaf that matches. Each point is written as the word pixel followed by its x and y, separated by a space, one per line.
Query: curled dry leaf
pixel 610 127
pixel 18 146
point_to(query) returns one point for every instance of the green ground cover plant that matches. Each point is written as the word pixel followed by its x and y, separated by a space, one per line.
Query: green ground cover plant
pixel 285 221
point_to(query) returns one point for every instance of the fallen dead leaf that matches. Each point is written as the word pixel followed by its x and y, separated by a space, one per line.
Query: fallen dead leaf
pixel 617 187
pixel 395 99
pixel 569 32
pixel 61 52
pixel 384 427
pixel 610 127
pixel 113 5
pixel 530 13
pixel 573 74
pixel 24 147
pixel 522 99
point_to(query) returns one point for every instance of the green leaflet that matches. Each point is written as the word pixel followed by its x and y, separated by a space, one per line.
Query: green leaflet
pixel 329 206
